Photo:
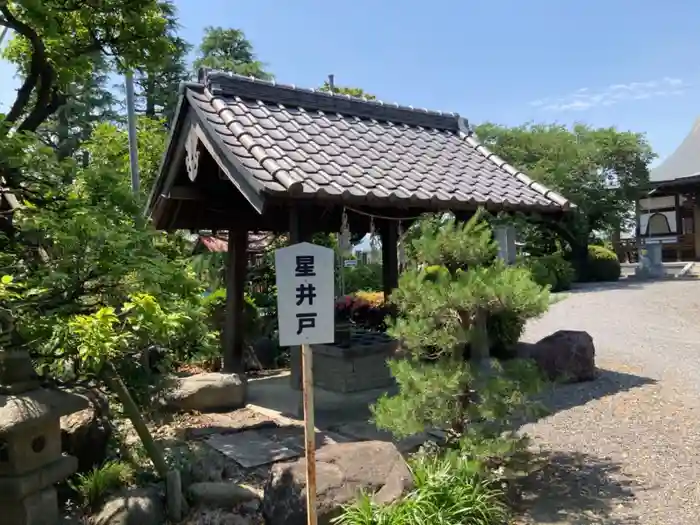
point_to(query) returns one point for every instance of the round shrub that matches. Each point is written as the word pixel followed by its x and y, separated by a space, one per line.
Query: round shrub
pixel 551 270
pixel 602 265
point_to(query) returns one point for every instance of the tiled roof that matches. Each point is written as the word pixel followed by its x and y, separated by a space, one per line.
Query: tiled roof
pixel 308 143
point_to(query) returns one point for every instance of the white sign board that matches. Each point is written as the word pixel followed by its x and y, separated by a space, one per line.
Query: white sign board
pixel 305 294
pixel 350 263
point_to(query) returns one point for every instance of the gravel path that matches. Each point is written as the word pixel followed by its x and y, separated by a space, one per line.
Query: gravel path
pixel 625 449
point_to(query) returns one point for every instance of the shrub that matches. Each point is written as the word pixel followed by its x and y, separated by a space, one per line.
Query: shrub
pixel 93 488
pixel 551 270
pixel 450 489
pixel 364 309
pixel 602 265
pixel 504 329
pixel 215 305
pixel 440 312
pixel 366 277
pixel 373 298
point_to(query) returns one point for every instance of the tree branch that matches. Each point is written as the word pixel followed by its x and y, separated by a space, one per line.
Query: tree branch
pixel 47 104
pixel 37 64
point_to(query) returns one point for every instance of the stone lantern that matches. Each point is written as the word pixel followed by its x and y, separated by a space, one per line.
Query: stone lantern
pixel 31 461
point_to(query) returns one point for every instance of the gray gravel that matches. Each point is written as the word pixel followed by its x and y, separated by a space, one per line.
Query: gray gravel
pixel 625 449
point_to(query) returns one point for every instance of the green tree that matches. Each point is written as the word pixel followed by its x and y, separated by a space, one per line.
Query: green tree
pixel 87 103
pixel 603 171
pixel 157 84
pixel 57 43
pixel 344 90
pixel 99 248
pixel 444 306
pixel 229 50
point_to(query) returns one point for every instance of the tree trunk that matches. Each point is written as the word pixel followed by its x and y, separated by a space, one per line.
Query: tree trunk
pixel 150 98
pixel 579 258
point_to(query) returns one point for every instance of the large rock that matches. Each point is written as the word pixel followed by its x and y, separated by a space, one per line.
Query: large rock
pixel 221 495
pixel 133 507
pixel 343 470
pixel 567 356
pixel 86 434
pixel 207 392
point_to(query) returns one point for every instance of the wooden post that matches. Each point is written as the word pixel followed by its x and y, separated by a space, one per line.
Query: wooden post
pixel 297 234
pixel 309 432
pixel 679 227
pixel 236 270
pixel 390 262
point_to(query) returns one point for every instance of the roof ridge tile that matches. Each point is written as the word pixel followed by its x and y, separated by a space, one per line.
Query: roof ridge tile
pixel 227 84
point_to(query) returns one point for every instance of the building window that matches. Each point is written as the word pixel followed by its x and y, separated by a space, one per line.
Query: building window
pixel 658 225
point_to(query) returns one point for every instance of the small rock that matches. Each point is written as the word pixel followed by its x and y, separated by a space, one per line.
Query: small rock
pixel 222 495
pixel 134 507
pixel 209 391
pixel 85 434
pixel 566 355
pixel 343 470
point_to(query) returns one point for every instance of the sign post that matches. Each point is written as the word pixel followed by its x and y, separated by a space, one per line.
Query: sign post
pixel 306 316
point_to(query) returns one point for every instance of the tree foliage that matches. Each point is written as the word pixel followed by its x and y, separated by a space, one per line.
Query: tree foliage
pixel 444 305
pixel 603 171
pixel 229 50
pixel 57 44
pixel 157 84
pixel 345 90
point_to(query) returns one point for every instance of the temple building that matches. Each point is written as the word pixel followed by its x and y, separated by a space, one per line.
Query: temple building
pixel 670 213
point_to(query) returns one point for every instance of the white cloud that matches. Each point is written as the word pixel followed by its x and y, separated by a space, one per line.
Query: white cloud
pixel 587 98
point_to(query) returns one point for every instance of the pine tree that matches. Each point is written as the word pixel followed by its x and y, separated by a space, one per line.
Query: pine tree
pixel 446 379
pixel 89 103
pixel 229 50
pixel 157 85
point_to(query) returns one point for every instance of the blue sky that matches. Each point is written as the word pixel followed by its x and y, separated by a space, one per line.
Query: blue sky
pixel 631 64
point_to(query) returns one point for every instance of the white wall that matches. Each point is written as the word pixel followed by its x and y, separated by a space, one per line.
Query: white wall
pixel 654 203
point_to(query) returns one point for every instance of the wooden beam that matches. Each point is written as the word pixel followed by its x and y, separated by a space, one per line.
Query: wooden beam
pixel 186 193
pixel 390 261
pixel 236 270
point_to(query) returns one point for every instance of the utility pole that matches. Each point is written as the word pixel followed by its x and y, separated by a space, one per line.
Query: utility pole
pixel 131 121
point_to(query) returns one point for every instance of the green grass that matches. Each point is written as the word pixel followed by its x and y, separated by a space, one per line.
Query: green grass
pixel 449 490
pixel 96 485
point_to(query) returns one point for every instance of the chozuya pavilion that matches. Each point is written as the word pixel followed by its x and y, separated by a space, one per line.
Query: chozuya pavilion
pixel 251 156
pixel 670 214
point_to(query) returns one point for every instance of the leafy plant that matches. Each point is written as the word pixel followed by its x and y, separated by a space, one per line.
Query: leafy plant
pixel 603 265
pixel 450 489
pixel 94 487
pixel 551 270
pixel 363 277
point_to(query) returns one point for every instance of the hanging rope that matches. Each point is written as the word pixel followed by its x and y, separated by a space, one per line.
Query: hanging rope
pixel 402 247
pixel 375 216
